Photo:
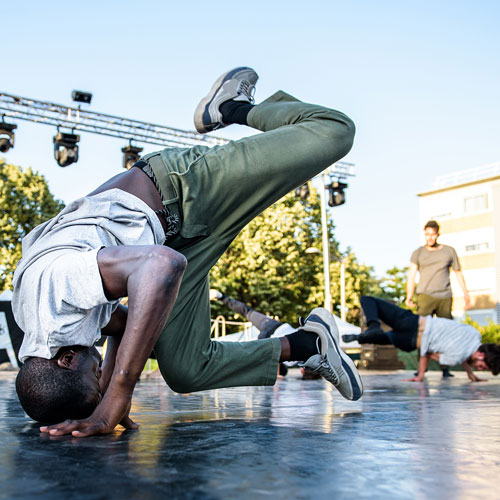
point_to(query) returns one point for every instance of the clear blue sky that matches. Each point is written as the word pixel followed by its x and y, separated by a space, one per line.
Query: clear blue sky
pixel 420 79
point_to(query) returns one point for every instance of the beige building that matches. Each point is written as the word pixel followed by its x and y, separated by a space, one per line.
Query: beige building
pixel 466 205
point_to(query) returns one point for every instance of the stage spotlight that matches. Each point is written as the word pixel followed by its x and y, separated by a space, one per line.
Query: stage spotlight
pixel 66 148
pixel 81 96
pixel 302 192
pixel 131 154
pixel 6 136
pixel 336 194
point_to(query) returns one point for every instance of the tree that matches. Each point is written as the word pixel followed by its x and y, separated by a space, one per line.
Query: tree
pixel 26 202
pixel 359 280
pixel 268 268
pixel 393 286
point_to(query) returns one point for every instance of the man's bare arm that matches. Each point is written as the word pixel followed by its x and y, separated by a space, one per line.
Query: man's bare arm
pixel 410 285
pixel 461 281
pixel 471 374
pixel 422 366
pixel 150 276
pixel 114 330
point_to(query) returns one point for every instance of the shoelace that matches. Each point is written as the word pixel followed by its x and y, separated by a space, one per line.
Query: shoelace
pixel 247 89
pixel 326 367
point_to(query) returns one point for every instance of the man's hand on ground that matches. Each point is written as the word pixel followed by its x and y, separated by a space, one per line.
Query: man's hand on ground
pixel 111 411
pixel 91 426
pixel 78 428
pixel 414 379
pixel 473 378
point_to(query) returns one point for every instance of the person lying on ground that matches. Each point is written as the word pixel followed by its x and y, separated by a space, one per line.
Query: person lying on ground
pixel 267 326
pixel 447 341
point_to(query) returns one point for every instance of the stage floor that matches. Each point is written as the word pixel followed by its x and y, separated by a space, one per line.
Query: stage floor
pixel 297 440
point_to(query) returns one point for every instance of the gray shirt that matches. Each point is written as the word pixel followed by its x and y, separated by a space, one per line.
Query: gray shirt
pixel 434 269
pixel 454 341
pixel 58 297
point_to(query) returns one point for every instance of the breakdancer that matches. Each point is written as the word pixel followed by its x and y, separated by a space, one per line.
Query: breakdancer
pixel 152 234
pixel 447 341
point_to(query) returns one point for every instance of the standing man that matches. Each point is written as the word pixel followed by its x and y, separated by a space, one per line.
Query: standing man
pixel 433 262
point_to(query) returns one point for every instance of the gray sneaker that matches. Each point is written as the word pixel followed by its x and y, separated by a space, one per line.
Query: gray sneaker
pixel 332 363
pixel 237 84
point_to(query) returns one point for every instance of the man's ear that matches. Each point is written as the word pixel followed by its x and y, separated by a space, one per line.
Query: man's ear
pixel 65 359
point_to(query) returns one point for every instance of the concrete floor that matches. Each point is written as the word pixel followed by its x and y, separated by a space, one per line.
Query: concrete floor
pixel 298 439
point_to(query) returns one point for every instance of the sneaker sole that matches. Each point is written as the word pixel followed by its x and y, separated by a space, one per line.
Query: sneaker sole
pixel 319 315
pixel 201 111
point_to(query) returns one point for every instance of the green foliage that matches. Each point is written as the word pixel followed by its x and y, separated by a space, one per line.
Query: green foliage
pixel 268 268
pixel 489 332
pixel 359 280
pixel 393 285
pixel 26 202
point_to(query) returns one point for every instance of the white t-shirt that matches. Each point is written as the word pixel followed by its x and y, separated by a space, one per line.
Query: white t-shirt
pixel 58 297
pixel 454 341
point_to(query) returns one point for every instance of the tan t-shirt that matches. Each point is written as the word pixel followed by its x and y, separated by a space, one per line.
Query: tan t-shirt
pixel 434 269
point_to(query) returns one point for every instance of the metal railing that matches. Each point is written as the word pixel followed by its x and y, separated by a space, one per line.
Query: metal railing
pixel 218 328
pixel 468 175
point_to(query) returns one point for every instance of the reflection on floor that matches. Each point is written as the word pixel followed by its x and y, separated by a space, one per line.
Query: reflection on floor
pixel 298 439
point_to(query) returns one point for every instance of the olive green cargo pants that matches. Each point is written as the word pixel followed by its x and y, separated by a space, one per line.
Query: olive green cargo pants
pixel 216 192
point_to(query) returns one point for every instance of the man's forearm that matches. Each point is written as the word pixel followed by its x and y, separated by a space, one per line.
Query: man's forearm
pixel 461 281
pixel 112 344
pixel 410 289
pixel 152 290
pixel 410 285
pixel 114 331
pixel 422 366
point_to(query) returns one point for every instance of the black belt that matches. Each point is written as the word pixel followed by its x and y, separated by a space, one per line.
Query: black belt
pixel 168 213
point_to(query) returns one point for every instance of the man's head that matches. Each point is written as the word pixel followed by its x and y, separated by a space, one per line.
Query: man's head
pixel 431 233
pixel 66 386
pixel 487 357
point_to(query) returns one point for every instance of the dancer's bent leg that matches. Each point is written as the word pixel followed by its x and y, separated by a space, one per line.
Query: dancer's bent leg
pixel 265 324
pixel 221 190
pixel 403 322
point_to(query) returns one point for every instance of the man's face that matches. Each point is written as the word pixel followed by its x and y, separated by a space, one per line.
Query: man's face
pixel 477 361
pixel 431 236
pixel 88 362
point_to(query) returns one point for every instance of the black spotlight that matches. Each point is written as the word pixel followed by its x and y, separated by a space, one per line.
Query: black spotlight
pixel 6 136
pixel 66 148
pixel 131 154
pixel 336 194
pixel 81 96
pixel 302 192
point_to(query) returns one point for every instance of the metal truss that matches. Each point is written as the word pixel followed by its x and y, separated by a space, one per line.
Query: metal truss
pixel 76 118
pixel 59 116
pixel 340 170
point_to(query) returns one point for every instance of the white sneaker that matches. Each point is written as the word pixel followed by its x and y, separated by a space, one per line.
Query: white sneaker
pixel 332 363
pixel 215 294
pixel 237 85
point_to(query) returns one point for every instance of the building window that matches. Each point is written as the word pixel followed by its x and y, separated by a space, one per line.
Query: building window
pixel 477 247
pixel 476 203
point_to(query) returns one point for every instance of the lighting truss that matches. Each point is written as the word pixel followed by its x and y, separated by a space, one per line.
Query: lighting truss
pixel 338 171
pixel 60 116
pixel 74 118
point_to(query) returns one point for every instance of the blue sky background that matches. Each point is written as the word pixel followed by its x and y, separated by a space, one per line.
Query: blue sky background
pixel 420 79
